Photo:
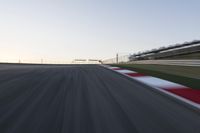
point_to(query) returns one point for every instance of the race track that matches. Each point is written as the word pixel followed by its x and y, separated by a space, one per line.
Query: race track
pixel 85 99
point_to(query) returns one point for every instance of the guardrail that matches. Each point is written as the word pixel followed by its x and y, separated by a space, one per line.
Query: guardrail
pixel 169 62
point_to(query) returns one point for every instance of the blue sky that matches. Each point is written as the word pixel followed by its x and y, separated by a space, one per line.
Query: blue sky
pixel 68 29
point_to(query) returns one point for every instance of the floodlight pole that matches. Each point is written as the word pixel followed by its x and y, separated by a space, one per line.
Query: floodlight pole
pixel 117 56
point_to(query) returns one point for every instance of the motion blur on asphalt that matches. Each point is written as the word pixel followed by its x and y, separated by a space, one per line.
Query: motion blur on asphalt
pixel 99 66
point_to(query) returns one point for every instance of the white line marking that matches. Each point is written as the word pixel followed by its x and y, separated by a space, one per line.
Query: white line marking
pixel 179 98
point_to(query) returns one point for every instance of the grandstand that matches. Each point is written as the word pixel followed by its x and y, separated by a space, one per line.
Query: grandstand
pixel 187 50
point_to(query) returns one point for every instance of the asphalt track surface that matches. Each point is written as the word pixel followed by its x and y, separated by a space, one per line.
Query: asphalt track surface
pixel 85 99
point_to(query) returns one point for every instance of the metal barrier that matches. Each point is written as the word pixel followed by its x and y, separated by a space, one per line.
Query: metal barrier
pixel 169 62
pixel 35 61
pixel 50 61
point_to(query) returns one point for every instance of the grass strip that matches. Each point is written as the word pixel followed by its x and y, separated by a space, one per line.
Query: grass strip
pixel 187 81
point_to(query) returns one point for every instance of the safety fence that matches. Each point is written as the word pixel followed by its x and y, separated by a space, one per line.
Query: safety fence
pixel 117 59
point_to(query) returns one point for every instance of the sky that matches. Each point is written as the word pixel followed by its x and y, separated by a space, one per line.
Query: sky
pixel 69 29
